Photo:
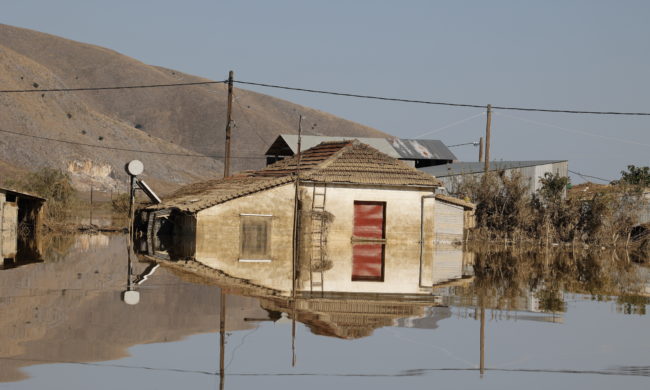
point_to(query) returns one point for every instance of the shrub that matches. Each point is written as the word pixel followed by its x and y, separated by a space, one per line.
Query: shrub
pixel 120 204
pixel 52 184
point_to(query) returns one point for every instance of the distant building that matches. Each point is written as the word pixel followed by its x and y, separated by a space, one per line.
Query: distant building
pixel 416 152
pixel 453 174
pixel 366 222
pixel 19 217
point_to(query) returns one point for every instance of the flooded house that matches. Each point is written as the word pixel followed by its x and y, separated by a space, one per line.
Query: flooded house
pixel 365 222
pixel 19 217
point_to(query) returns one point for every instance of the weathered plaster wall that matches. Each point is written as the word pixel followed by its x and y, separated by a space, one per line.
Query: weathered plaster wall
pixel 218 241
pixel 402 211
pixel 402 248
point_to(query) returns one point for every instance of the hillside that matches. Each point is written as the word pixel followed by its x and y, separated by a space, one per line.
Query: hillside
pixel 176 120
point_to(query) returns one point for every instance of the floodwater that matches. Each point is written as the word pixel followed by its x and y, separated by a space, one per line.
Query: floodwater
pixel 508 319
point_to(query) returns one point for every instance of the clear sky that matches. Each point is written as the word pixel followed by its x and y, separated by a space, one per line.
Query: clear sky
pixel 588 55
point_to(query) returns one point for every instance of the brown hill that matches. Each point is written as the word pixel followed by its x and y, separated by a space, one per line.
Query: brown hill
pixel 178 120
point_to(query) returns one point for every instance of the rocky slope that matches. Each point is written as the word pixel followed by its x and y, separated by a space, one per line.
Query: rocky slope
pixel 170 122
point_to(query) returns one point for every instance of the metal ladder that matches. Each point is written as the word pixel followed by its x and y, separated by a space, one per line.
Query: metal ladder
pixel 317 237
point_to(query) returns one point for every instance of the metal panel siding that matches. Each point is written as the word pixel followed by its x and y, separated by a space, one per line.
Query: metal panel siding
pixel 369 220
pixel 368 262
pixel 448 219
pixel 447 265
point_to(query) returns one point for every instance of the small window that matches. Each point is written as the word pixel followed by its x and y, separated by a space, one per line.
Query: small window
pixel 255 238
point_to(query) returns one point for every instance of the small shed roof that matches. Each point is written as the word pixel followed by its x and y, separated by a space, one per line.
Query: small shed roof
pixel 21 194
pixel 461 168
pixel 346 162
pixel 456 201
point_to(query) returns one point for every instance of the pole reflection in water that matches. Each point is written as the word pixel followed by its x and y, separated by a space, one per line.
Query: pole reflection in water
pixel 222 338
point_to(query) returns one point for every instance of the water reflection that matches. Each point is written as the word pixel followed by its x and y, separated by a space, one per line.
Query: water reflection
pixel 71 307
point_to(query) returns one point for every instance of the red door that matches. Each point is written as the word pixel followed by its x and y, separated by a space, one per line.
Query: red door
pixel 369 220
pixel 369 225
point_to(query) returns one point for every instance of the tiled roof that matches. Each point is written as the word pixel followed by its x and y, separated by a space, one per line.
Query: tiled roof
pixel 358 163
pixel 346 162
pixel 200 196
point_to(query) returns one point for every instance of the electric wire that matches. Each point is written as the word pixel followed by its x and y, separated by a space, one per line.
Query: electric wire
pixel 574 131
pixel 334 93
pixel 110 87
pixel 126 149
pixel 582 175
pixel 439 129
pixel 463 144
pixel 440 103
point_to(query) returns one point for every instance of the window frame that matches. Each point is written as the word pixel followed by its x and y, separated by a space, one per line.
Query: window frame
pixel 246 255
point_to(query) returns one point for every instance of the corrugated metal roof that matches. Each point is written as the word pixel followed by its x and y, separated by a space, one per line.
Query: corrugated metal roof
pixel 460 168
pixel 348 162
pixel 406 149
pixel 422 149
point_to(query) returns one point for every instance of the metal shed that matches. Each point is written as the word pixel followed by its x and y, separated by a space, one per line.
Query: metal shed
pixel 452 175
pixel 19 217
pixel 419 153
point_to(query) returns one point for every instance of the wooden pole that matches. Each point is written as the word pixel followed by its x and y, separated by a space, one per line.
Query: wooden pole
pixel 131 209
pixel 482 357
pixel 487 138
pixel 296 218
pixel 226 162
pixel 480 150
pixel 91 204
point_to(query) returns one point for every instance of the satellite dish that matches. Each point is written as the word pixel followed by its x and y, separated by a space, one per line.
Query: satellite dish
pixel 131 297
pixel 134 167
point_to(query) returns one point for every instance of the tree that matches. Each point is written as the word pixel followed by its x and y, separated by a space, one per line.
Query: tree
pixel 636 176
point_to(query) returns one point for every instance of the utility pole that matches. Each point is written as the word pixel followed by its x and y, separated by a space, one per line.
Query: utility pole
pixel 296 217
pixel 480 150
pixel 487 138
pixel 226 162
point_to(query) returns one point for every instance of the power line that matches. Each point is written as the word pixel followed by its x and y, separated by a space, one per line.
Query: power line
pixel 124 149
pixel 574 131
pixel 328 93
pixel 441 103
pixel 109 88
pixel 474 143
pixel 582 175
